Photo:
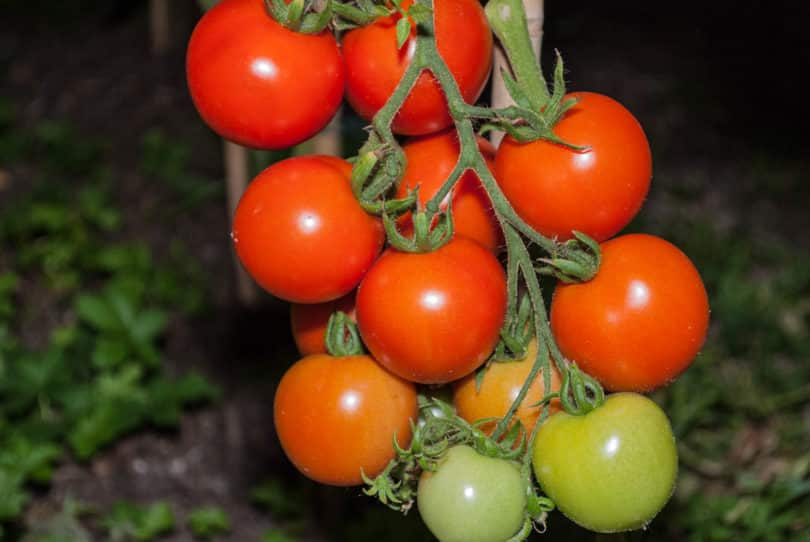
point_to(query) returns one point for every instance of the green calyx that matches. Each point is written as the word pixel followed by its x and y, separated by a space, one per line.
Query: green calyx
pixel 439 429
pixel 342 336
pixel 575 260
pixel 300 16
pixel 427 236
pixel 580 393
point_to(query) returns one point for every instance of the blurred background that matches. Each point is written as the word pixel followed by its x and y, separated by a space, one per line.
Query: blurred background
pixel 136 390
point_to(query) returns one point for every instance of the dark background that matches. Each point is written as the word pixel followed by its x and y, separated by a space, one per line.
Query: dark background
pixel 716 87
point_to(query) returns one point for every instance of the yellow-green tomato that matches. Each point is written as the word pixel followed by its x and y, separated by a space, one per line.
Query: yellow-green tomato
pixel 472 498
pixel 612 469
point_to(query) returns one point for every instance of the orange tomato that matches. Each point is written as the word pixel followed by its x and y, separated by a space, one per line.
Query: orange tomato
pixel 337 416
pixel 499 389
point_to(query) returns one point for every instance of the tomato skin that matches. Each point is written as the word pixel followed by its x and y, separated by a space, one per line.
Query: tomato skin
pixel 308 322
pixel 640 322
pixel 612 469
pixel 374 66
pixel 335 416
pixel 597 191
pixel 472 498
pixel 300 233
pixel 245 77
pixel 499 389
pixel 430 160
pixel 433 317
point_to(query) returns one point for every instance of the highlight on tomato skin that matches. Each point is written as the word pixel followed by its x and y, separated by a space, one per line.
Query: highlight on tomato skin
pixel 301 234
pixel 337 415
pixel 596 191
pixel 430 160
pixel 435 317
pixel 245 76
pixel 640 322
pixel 374 66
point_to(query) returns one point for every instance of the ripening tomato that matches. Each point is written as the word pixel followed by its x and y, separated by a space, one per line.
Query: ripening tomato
pixel 640 322
pixel 596 191
pixel 612 469
pixel 433 317
pixel 374 66
pixel 337 415
pixel 500 387
pixel 308 322
pixel 430 160
pixel 301 234
pixel 259 84
pixel 472 498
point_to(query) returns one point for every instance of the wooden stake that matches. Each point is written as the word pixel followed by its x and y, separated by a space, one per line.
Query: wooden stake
pixel 237 177
pixel 159 26
pixel 500 96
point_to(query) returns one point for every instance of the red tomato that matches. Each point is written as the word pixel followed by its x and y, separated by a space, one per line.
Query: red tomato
pixel 374 66
pixel 300 233
pixel 433 317
pixel 430 160
pixel 257 83
pixel 336 416
pixel 309 323
pixel 640 322
pixel 500 387
pixel 596 191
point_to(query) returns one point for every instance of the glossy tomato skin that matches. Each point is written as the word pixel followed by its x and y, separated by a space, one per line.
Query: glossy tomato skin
pixel 300 233
pixel 430 160
pixel 245 75
pixel 375 66
pixel 308 322
pixel 336 416
pixel 500 387
pixel 472 498
pixel 596 191
pixel 640 322
pixel 433 317
pixel 612 469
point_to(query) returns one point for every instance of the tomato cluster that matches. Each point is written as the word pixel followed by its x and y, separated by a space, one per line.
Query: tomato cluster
pixel 442 310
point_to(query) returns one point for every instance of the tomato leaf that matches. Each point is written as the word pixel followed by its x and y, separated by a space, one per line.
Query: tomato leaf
pixel 403 31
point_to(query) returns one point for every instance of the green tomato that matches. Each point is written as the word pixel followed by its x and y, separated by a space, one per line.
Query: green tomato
pixel 612 469
pixel 472 498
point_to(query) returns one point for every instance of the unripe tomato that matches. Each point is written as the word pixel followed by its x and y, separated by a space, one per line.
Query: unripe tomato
pixel 433 317
pixel 430 159
pixel 499 389
pixel 640 322
pixel 336 416
pixel 596 191
pixel 258 84
pixel 374 65
pixel 612 469
pixel 472 498
pixel 301 234
pixel 308 322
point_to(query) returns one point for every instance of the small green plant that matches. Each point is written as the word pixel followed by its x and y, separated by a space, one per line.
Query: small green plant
pixel 208 522
pixel 128 522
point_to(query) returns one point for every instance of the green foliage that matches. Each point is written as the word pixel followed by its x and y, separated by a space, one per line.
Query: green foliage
pixel 208 522
pixel 167 160
pixel 277 535
pixel 737 412
pixel 127 521
pixel 97 374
